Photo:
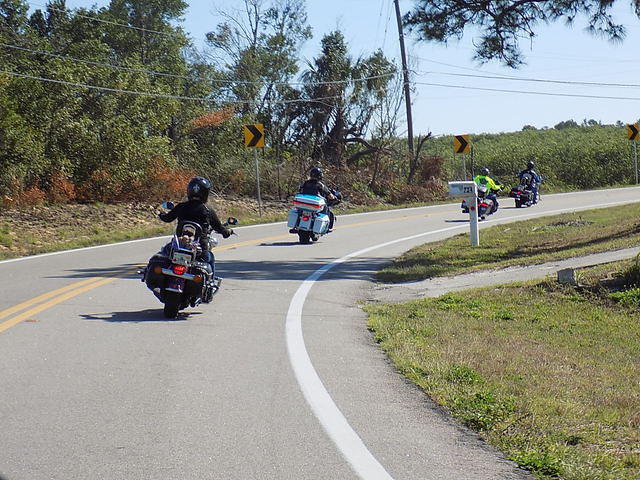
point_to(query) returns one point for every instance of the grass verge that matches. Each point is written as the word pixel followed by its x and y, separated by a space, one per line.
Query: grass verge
pixel 547 373
pixel 521 243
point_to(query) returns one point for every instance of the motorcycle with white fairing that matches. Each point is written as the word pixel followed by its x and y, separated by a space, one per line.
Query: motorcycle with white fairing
pixel 311 217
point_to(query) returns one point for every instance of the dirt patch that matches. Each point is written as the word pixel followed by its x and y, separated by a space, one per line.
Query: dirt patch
pixel 571 223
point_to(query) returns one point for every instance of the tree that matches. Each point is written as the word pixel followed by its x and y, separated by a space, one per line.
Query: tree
pixel 566 124
pixel 504 23
pixel 590 123
pixel 345 94
pixel 13 18
pixel 258 49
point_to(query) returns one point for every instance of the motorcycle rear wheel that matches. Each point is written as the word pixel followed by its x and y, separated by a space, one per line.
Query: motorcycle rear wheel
pixel 172 302
pixel 305 237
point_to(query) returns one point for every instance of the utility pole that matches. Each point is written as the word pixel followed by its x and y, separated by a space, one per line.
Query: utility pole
pixel 405 74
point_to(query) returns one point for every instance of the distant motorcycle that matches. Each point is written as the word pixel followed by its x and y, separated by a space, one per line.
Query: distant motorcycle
pixel 485 206
pixel 523 193
pixel 178 275
pixel 310 216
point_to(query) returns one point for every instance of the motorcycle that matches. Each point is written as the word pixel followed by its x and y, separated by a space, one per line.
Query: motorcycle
pixel 310 216
pixel 484 204
pixel 523 193
pixel 178 275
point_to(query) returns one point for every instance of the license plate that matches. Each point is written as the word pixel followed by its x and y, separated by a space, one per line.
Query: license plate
pixel 181 258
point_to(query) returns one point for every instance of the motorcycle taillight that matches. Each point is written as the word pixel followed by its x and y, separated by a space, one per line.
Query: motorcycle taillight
pixel 179 269
pixel 305 218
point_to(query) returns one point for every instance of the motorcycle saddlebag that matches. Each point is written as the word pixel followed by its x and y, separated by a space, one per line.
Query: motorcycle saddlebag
pixel 155 280
pixel 292 220
pixel 321 224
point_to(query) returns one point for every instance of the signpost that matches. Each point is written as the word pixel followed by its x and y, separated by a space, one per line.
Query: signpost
pixel 462 144
pixel 468 191
pixel 254 138
pixel 632 134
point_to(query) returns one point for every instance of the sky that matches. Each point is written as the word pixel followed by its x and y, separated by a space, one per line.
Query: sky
pixel 457 104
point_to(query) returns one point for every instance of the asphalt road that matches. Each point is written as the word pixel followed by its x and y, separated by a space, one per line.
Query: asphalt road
pixel 278 378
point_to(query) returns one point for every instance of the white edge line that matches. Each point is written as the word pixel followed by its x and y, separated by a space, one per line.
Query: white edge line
pixel 127 242
pixel 326 411
pixel 324 408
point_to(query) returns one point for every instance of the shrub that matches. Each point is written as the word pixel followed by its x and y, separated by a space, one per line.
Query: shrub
pixel 61 189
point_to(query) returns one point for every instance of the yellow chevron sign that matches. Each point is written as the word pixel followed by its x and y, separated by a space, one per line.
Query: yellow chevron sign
pixel 632 132
pixel 461 144
pixel 254 135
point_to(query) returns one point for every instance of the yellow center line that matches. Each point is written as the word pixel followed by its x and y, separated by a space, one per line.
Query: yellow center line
pixel 43 297
pixel 77 288
pixel 71 290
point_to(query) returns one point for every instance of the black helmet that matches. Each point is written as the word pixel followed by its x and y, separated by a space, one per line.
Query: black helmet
pixel 199 188
pixel 484 171
pixel 316 172
pixel 530 164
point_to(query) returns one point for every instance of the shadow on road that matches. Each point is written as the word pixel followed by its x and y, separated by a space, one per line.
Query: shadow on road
pixel 129 270
pixel 281 244
pixel 149 315
pixel 362 268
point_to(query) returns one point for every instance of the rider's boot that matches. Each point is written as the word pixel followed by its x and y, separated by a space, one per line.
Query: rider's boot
pixel 211 288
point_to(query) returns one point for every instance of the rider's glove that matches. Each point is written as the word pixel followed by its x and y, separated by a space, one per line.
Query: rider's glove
pixel 227 233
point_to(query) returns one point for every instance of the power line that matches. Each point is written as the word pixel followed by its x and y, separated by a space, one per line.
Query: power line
pixel 218 80
pixel 460 67
pixel 527 92
pixel 90 62
pixel 538 80
pixel 160 95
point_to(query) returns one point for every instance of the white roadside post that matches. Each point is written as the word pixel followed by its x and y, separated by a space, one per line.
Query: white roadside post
pixel 468 191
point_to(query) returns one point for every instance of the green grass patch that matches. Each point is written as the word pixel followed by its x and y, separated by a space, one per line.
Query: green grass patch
pixel 5 238
pixel 522 243
pixel 545 372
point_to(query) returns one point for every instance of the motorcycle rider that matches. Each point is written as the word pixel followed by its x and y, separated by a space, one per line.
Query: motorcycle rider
pixel 314 186
pixel 196 210
pixel 536 179
pixel 485 180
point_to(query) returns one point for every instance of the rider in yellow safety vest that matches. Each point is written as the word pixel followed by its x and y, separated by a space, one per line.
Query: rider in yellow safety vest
pixel 485 180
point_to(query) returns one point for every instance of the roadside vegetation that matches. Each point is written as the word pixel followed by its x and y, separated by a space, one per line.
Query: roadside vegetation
pixel 534 241
pixel 116 104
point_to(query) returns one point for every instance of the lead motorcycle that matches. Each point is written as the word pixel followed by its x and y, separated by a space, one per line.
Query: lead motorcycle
pixel 310 216
pixel 179 275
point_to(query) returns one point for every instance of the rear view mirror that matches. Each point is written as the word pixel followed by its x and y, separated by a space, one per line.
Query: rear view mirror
pixel 168 205
pixel 232 221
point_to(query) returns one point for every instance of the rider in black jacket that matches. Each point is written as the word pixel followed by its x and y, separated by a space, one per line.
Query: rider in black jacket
pixel 314 186
pixel 536 179
pixel 196 210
